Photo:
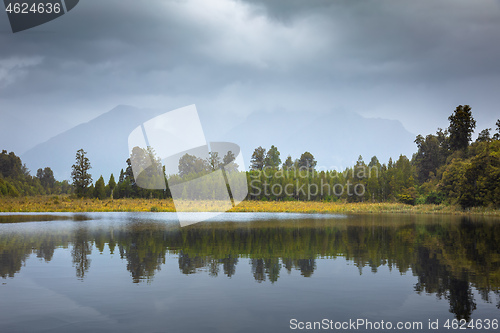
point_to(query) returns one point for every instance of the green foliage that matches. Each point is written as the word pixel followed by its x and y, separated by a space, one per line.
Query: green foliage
pixel 462 125
pixel 445 169
pixel 257 162
pixel 190 164
pixel 431 154
pixel 150 179
pixel 452 178
pixel 484 135
pixel 214 161
pixel 435 198
pixel 496 136
pixel 272 159
pixel 307 161
pixel 82 179
pixel 111 186
pixel 10 165
pixel 46 178
pixel 17 180
pixel 100 189
pixel 406 199
pixel 229 164
pixel 288 165
pixel 481 183
pixel 7 189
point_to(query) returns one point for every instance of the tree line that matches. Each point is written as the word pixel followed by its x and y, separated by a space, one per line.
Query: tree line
pixel 447 168
pixel 15 179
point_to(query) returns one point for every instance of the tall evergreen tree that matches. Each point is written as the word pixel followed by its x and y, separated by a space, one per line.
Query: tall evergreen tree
pixel 100 189
pixel 462 126
pixel 307 161
pixel 111 185
pixel 288 165
pixel 272 159
pixel 82 179
pixel 257 161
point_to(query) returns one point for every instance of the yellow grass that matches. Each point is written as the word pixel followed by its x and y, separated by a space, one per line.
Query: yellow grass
pixel 67 204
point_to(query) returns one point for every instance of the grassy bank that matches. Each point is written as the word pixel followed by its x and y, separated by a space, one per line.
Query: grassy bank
pixel 67 204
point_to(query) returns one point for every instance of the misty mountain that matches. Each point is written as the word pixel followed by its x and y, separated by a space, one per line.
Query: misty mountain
pixel 103 138
pixel 335 139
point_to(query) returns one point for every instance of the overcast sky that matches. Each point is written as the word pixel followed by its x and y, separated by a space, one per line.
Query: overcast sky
pixel 413 61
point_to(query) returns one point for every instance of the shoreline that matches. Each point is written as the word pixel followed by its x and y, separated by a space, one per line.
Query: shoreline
pixel 46 204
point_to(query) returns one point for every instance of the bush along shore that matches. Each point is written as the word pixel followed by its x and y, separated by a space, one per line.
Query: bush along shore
pixel 449 172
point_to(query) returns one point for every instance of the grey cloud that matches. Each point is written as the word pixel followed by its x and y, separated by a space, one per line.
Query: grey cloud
pixel 250 55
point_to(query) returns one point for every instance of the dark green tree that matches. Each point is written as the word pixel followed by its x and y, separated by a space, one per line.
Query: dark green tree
pixel 46 177
pixel 82 179
pixel 497 134
pixel 228 158
pixel 146 168
pixel 214 161
pixel 429 157
pixel 480 183
pixel 122 177
pixel 288 165
pixel 462 126
pixel 100 189
pixel 484 135
pixel 10 165
pixel 111 186
pixel 229 164
pixel 307 161
pixel 272 159
pixel 190 164
pixel 257 161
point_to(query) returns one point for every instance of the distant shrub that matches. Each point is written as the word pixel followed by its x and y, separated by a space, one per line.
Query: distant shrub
pixel 407 199
pixel 435 198
pixel 421 200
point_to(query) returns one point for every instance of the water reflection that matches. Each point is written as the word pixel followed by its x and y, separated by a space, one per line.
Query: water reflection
pixel 449 258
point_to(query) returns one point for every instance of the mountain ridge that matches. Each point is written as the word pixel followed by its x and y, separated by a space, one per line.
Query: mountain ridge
pixel 336 139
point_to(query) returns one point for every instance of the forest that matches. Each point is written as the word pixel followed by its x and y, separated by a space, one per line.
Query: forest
pixel 447 168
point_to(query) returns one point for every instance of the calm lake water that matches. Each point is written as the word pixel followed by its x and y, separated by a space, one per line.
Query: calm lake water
pixel 246 272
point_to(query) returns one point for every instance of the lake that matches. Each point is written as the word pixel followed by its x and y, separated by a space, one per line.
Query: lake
pixel 248 272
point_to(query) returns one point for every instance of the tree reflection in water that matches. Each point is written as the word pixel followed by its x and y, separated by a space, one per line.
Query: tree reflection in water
pixel 449 259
